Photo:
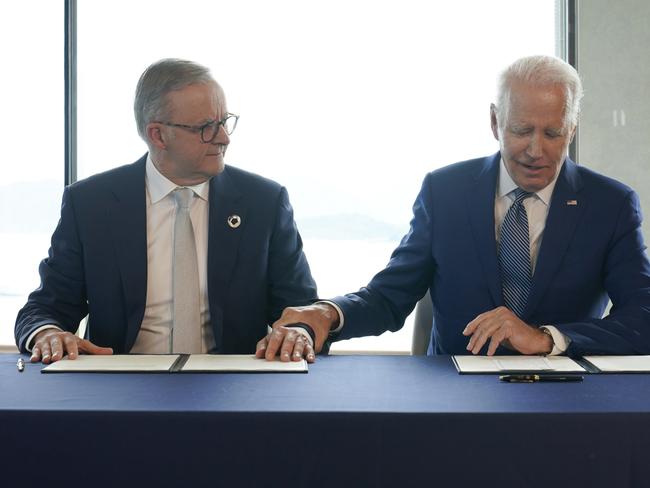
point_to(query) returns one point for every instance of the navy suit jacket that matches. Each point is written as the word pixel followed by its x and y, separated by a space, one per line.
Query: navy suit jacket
pixel 97 263
pixel 592 249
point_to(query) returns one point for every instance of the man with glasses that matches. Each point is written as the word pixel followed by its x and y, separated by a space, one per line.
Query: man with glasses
pixel 175 253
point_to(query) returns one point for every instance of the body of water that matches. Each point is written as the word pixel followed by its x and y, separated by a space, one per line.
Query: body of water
pixel 338 266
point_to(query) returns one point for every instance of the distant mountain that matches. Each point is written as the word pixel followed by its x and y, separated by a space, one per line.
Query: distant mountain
pixel 349 226
pixel 32 206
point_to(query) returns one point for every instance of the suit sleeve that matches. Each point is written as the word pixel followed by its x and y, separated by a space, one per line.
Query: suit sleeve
pixel 61 297
pixel 290 280
pixel 626 275
pixel 393 293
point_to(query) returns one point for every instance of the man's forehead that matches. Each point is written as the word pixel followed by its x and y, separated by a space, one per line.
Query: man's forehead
pixel 531 94
pixel 522 120
pixel 200 101
pixel 555 123
pixel 545 102
pixel 199 92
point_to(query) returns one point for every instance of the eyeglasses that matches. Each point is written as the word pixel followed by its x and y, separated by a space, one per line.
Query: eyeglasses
pixel 210 129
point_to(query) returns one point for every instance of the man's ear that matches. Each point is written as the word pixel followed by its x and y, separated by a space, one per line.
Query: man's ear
pixel 493 121
pixel 155 135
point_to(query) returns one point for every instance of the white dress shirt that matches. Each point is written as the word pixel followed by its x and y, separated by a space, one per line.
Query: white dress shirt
pixel 536 207
pixel 155 332
pixel 155 336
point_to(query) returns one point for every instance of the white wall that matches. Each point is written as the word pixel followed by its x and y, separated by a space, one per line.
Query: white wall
pixel 613 58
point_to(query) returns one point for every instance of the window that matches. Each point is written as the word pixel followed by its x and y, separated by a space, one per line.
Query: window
pixel 32 126
pixel 348 103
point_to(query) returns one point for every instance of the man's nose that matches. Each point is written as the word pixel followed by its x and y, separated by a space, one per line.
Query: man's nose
pixel 534 149
pixel 222 136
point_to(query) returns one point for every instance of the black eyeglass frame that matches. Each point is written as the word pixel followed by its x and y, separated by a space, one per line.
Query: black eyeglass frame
pixel 202 128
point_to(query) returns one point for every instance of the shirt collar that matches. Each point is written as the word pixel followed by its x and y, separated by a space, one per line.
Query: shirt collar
pixel 159 187
pixel 507 185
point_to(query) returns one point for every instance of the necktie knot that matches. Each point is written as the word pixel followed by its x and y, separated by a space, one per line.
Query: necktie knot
pixel 521 195
pixel 518 206
pixel 183 197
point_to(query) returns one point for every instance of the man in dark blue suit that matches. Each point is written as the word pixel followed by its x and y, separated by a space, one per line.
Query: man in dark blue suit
pixel 520 250
pixel 120 253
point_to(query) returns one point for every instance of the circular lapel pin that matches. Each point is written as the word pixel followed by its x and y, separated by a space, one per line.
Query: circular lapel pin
pixel 234 221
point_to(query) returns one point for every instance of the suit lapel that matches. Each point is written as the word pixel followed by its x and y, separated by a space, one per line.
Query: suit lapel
pixel 563 216
pixel 481 212
pixel 224 235
pixel 128 228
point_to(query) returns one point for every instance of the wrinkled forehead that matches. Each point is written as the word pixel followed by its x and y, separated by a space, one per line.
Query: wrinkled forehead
pixel 540 102
pixel 197 102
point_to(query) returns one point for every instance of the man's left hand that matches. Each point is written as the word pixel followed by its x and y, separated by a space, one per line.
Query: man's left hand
pixel 502 326
pixel 288 342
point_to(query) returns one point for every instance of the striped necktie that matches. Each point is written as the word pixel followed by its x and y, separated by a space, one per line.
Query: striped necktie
pixel 514 255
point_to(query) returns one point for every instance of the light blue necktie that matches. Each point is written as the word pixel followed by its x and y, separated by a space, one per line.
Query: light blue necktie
pixel 514 255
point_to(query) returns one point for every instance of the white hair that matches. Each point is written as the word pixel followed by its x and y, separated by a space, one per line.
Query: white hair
pixel 541 71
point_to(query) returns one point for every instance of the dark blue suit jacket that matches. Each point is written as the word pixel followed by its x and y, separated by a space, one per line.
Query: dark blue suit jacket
pixel 592 248
pixel 98 261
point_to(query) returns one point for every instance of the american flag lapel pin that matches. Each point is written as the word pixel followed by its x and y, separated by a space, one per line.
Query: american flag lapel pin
pixel 572 203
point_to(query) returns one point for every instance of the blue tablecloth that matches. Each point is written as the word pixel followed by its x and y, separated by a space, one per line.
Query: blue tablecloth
pixel 352 421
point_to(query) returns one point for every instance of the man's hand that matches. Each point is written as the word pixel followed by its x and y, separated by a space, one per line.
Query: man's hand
pixel 289 342
pixel 50 345
pixel 501 325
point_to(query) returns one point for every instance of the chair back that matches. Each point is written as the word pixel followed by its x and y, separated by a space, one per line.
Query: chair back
pixel 422 326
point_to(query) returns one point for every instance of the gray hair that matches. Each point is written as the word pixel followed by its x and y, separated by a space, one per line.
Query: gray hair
pixel 542 71
pixel 157 81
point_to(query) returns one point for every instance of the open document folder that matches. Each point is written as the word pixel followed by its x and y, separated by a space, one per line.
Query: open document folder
pixel 174 363
pixel 620 364
pixel 516 364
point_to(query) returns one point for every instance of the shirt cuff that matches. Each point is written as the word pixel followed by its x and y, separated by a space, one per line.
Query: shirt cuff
pixel 30 339
pixel 339 311
pixel 560 341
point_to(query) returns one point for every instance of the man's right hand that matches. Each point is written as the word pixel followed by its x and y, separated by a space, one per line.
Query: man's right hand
pixel 50 345
pixel 321 317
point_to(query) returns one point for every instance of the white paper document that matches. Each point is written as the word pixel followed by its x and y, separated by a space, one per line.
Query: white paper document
pixel 167 363
pixel 622 364
pixel 115 363
pixel 504 364
pixel 240 363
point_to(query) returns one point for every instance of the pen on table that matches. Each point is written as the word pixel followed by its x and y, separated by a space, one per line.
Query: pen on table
pixel 20 365
pixel 534 378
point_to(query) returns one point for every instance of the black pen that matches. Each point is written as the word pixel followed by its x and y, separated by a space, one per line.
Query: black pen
pixel 20 365
pixel 533 378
